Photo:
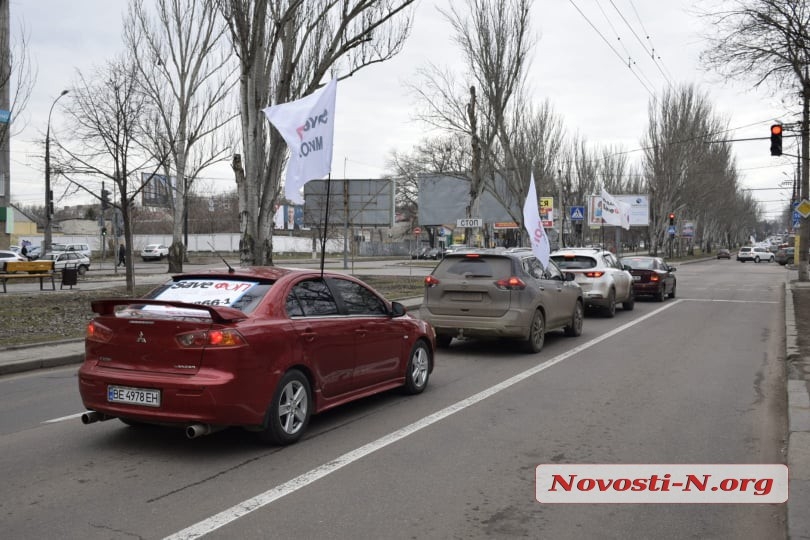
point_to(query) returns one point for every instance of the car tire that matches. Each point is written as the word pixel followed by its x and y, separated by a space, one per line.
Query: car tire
pixel 82 270
pixel 443 340
pixel 662 293
pixel 756 259
pixel 630 303
pixel 289 411
pixel 610 309
pixel 575 328
pixel 537 333
pixel 417 372
pixel 672 294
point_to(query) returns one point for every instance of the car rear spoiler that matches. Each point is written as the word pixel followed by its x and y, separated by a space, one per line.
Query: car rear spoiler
pixel 219 314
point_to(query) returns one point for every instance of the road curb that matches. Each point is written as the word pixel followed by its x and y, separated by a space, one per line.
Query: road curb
pixel 43 363
pixel 798 444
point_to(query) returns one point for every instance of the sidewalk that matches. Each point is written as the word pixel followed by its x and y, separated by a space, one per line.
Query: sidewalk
pixel 798 402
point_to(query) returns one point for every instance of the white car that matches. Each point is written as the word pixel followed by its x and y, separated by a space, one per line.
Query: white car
pixel 68 259
pixel 8 255
pixel 154 252
pixel 756 254
pixel 604 281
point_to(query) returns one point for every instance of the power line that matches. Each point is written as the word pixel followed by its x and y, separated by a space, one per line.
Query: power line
pixel 643 46
pixel 611 47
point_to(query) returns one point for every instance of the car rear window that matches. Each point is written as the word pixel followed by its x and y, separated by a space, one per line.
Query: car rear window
pixel 574 262
pixel 243 295
pixel 474 267
pixel 639 264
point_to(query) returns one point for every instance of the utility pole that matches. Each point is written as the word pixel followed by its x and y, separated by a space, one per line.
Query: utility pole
pixel 804 228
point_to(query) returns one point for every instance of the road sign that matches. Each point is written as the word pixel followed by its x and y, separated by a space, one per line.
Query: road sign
pixel 577 213
pixel 470 223
pixel 804 208
pixel 417 231
pixel 671 230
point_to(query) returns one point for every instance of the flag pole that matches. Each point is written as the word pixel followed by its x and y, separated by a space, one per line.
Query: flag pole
pixel 326 220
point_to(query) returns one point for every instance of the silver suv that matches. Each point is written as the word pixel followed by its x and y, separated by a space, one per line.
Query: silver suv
pixel 604 281
pixel 755 254
pixel 509 294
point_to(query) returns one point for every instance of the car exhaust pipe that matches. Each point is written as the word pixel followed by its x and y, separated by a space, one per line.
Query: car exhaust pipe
pixel 198 430
pixel 92 416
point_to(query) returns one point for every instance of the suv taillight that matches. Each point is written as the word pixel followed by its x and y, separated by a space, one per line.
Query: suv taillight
pixel 511 284
pixel 431 281
pixel 594 274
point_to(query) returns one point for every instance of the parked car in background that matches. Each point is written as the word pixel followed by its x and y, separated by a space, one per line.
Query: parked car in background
pixel 484 293
pixel 723 253
pixel 785 255
pixel 84 249
pixel 435 253
pixel 652 276
pixel 68 259
pixel 419 253
pixel 452 248
pixel 263 348
pixel 754 253
pixel 154 252
pixel 8 255
pixel 604 281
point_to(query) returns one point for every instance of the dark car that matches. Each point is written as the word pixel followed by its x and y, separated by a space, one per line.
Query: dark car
pixel 784 255
pixel 262 348
pixel 652 276
pixel 483 293
pixel 434 254
pixel 723 253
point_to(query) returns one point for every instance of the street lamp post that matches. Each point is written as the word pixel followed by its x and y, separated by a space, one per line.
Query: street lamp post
pixel 46 242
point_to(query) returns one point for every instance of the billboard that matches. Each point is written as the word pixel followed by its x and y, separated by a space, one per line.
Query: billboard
pixel 639 209
pixel 369 202
pixel 157 190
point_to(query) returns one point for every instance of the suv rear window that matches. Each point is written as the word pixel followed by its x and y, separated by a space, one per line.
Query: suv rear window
pixel 576 262
pixel 474 267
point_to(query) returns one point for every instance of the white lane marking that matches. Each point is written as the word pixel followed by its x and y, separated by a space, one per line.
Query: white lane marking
pixel 62 418
pixel 246 507
pixel 730 301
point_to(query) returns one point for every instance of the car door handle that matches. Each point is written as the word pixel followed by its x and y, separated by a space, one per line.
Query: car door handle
pixel 308 335
pixel 361 331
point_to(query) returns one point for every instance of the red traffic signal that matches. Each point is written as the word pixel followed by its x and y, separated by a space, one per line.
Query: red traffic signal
pixel 776 140
pixel 671 218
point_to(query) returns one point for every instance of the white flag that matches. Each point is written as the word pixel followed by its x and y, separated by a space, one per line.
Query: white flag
pixel 308 127
pixel 615 212
pixel 531 220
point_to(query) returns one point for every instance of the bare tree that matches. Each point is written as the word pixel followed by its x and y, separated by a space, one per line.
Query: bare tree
pixel 16 82
pixel 494 37
pixel 186 73
pixel 285 51
pixel 103 141
pixel 767 40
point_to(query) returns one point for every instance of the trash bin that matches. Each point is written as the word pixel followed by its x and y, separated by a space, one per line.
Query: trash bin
pixel 70 276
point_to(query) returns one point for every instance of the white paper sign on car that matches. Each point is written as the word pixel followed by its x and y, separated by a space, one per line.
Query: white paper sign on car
pixel 206 292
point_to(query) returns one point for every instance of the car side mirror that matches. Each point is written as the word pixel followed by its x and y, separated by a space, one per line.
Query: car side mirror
pixel 397 309
pixel 570 276
pixel 626 267
pixel 672 268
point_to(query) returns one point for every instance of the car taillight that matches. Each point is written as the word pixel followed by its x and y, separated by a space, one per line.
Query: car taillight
pixel 431 281
pixel 594 274
pixel 226 337
pixel 654 277
pixel 510 284
pixel 98 332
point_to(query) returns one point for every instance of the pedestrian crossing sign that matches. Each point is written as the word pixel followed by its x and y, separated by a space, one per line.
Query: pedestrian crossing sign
pixel 577 213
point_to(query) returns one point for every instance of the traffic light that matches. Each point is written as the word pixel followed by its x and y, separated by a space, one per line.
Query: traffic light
pixel 776 140
pixel 104 231
pixel 105 199
pixel 671 218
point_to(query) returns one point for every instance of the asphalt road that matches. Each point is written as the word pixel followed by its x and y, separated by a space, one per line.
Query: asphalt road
pixel 693 380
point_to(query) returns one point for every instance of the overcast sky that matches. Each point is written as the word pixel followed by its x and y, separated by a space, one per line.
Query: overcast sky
pixel 582 73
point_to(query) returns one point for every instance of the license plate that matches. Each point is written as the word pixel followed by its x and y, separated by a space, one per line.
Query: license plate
pixel 148 397
pixel 636 278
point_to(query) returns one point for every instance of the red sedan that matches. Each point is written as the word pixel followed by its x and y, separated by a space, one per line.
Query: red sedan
pixel 262 348
pixel 652 276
